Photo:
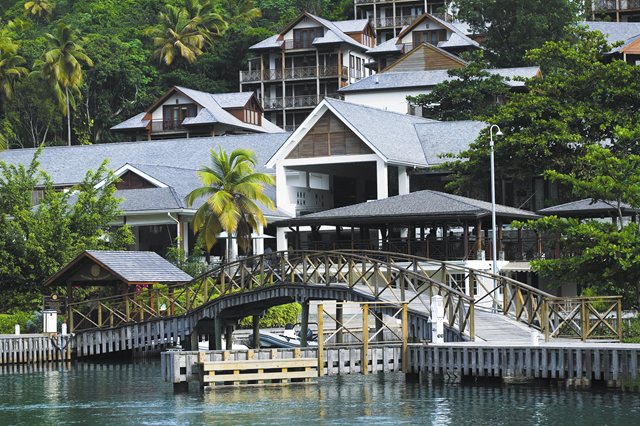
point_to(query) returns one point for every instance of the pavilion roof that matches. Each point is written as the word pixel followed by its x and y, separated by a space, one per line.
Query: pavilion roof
pixel 589 208
pixel 421 206
pixel 128 267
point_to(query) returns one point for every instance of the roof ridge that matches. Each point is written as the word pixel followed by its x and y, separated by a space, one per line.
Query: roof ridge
pixel 161 165
pixel 455 198
pixel 179 201
pixel 426 120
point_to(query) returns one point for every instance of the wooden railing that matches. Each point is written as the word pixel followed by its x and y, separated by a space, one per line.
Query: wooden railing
pixel 380 276
pixel 586 318
pixel 378 280
pixel 297 73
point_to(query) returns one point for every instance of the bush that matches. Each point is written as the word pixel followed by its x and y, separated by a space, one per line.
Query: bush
pixel 278 316
pixel 8 322
pixel 631 330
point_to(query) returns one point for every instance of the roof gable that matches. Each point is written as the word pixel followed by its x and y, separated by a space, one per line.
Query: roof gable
pixel 328 137
pixel 460 39
pixel 128 168
pixel 426 57
pixel 128 267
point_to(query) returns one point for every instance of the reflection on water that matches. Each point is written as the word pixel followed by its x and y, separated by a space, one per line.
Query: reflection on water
pixel 127 394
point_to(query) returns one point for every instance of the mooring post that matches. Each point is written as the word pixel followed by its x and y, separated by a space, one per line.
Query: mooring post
pixel 364 365
pixel 339 321
pixel 304 323
pixel 405 338
pixel 320 340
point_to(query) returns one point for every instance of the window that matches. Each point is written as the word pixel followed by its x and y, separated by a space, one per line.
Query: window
pixel 173 115
pixel 431 37
pixel 303 38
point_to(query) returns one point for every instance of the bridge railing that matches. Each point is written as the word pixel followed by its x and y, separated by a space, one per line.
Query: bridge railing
pixel 585 318
pixel 372 277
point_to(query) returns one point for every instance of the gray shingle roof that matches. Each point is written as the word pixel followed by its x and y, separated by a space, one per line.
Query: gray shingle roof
pixel 213 111
pixel 391 133
pixel 68 165
pixel 447 137
pixel 140 266
pixel 268 43
pixel 335 34
pixel 352 25
pixel 421 205
pixel 418 79
pixel 588 208
pixel 615 31
pixel 149 199
pixel 390 45
pixel 135 122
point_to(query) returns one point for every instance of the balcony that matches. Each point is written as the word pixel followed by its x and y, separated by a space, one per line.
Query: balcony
pixel 615 5
pixel 295 102
pixel 298 45
pixel 299 73
pixel 362 2
pixel 398 21
pixel 167 126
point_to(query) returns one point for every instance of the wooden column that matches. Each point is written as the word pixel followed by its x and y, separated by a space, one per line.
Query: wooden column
pixel 478 237
pixel 304 323
pixel 499 242
pixel 465 239
pixel 255 323
pixel 364 363
pixel 320 340
pixel 339 321
pixel 262 80
pixel 228 337
pixel 445 234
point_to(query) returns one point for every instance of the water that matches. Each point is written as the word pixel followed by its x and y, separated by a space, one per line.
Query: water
pixel 126 394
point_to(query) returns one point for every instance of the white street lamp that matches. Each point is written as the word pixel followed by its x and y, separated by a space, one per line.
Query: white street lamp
pixel 494 244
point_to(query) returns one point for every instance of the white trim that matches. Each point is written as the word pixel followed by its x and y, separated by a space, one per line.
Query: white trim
pixel 307 124
pixel 129 168
pixel 338 159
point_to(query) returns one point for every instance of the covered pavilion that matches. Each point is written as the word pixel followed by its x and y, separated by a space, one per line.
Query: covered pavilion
pixel 458 227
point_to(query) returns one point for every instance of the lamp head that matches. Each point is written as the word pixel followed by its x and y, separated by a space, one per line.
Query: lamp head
pixel 499 133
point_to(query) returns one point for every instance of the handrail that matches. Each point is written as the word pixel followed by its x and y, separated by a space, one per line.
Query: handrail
pixel 402 277
pixel 288 267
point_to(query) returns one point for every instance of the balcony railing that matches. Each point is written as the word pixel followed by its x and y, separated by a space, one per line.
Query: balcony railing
pixel 615 5
pixel 158 126
pixel 293 102
pixel 398 21
pixel 298 44
pixel 359 2
pixel 298 73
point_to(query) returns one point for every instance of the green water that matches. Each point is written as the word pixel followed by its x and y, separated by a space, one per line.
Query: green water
pixel 126 394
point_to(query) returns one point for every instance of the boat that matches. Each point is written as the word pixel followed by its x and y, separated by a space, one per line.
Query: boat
pixel 289 338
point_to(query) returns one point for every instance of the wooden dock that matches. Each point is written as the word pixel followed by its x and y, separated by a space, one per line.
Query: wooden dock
pixel 182 367
pixel 575 364
pixel 257 371
pixel 30 349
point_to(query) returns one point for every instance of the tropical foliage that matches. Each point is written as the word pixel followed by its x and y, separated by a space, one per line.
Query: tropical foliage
pixel 36 241
pixel 139 48
pixel 231 196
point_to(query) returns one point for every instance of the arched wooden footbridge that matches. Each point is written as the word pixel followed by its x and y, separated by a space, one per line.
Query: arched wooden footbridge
pixel 501 310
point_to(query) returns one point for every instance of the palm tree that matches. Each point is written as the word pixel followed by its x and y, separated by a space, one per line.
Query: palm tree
pixel 239 12
pixel 232 191
pixel 61 66
pixel 209 22
pixel 177 36
pixel 39 8
pixel 11 70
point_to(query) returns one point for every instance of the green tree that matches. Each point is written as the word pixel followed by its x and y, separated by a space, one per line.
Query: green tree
pixel 36 241
pixel 61 66
pixel 39 8
pixel 512 27
pixel 231 195
pixel 11 70
pixel 603 176
pixel 580 101
pixel 597 254
pixel 472 93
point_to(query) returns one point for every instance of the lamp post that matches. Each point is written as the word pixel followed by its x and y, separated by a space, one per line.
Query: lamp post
pixel 494 245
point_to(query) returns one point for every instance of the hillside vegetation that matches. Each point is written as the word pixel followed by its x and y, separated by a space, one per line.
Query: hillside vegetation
pixel 106 60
